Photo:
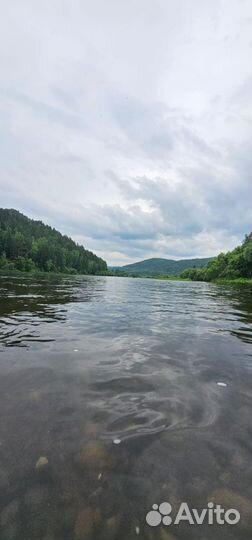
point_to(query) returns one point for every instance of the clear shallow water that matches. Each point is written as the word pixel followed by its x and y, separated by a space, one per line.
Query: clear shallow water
pixel 85 361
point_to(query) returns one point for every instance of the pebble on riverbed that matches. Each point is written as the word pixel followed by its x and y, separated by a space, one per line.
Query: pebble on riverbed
pixel 86 522
pixel 4 479
pixel 42 463
pixel 95 456
pixel 230 499
pixel 8 523
pixel 9 513
pixel 36 497
pixel 112 526
pixel 221 384
pixel 165 535
pixel 35 395
pixel 49 536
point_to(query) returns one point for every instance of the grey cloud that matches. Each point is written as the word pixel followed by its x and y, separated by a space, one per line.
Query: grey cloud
pixel 146 125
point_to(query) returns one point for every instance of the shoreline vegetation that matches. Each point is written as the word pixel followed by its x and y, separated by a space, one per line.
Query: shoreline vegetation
pixel 235 265
pixel 31 247
pixel 220 281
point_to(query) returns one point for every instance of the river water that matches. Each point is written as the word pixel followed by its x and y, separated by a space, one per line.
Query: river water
pixel 114 383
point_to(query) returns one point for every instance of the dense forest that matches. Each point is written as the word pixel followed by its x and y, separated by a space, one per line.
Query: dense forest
pixel 232 265
pixel 29 245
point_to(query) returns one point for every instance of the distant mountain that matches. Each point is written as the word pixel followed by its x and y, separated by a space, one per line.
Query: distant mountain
pixel 151 267
pixel 29 245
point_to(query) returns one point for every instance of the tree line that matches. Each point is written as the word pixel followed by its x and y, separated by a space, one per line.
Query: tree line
pixel 232 265
pixel 30 246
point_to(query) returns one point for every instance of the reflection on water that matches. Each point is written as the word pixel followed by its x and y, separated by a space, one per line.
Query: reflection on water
pixel 90 361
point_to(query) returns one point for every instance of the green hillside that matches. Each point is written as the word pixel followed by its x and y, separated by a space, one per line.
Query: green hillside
pixel 236 264
pixel 151 267
pixel 29 245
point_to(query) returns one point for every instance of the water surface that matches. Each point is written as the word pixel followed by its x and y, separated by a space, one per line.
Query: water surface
pixel 88 362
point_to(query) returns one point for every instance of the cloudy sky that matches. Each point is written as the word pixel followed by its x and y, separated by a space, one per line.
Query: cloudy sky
pixel 127 124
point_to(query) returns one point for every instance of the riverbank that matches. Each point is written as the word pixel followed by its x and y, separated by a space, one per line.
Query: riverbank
pixel 39 274
pixel 238 281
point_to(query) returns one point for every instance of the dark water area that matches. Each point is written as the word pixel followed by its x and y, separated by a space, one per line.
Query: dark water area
pixel 113 381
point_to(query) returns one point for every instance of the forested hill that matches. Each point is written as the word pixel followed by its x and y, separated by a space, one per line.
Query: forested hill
pixel 29 245
pixel 155 266
pixel 236 264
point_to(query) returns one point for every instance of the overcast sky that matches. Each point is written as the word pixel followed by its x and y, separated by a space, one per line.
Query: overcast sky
pixel 126 124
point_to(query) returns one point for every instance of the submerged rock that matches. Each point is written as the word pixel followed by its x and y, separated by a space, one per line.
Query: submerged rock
pixel 69 517
pixel 112 526
pixel 42 463
pixel 36 496
pixel 85 523
pixel 8 520
pixel 35 395
pixel 10 532
pixel 230 499
pixel 49 536
pixel 4 479
pixel 92 430
pixel 95 456
pixel 9 513
pixel 162 533
pixel 165 535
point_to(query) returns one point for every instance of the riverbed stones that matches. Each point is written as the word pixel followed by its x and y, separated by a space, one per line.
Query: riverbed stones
pixel 9 513
pixel 69 517
pixel 158 534
pixel 49 536
pixel 92 430
pixel 4 479
pixel 10 532
pixel 165 535
pixel 230 499
pixel 112 526
pixel 8 520
pixel 95 456
pixel 36 497
pixel 86 523
pixel 35 395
